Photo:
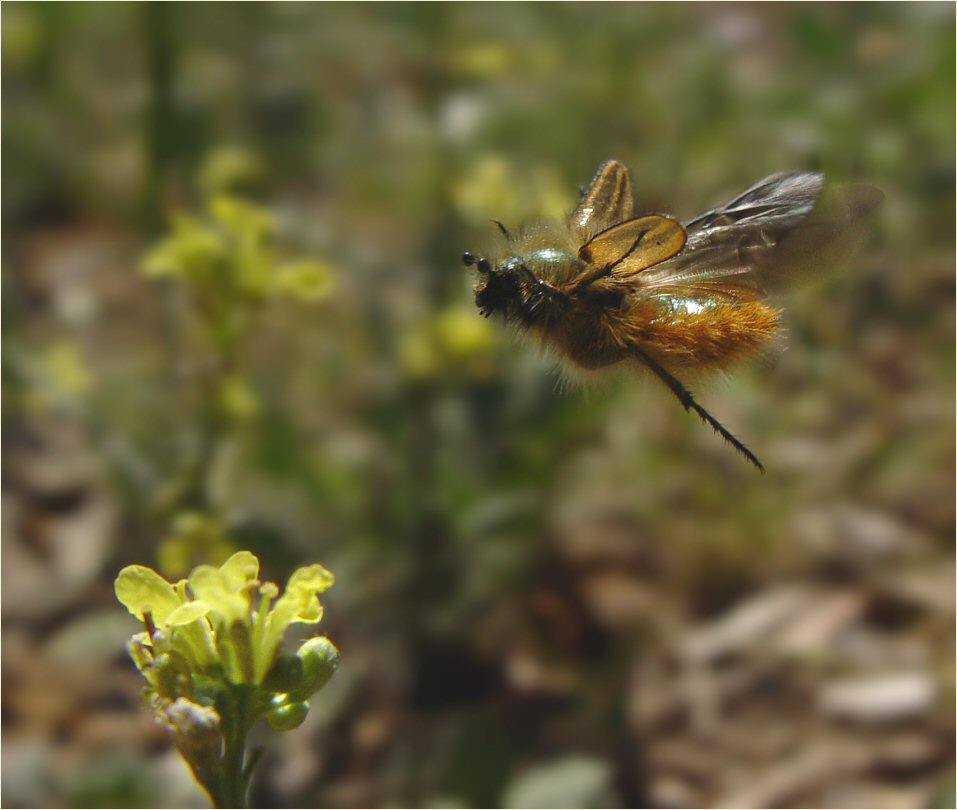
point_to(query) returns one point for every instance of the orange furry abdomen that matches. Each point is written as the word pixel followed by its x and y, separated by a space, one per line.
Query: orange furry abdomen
pixel 714 338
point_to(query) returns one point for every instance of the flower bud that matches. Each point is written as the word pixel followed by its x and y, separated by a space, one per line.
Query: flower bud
pixel 285 675
pixel 288 716
pixel 319 661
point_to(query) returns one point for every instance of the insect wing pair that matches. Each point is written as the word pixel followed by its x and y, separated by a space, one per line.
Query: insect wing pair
pixel 778 233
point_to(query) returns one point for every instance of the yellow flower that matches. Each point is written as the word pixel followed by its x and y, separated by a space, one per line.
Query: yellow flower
pixel 212 656
pixel 212 617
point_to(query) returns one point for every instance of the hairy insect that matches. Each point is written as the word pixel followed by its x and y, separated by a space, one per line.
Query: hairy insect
pixel 608 287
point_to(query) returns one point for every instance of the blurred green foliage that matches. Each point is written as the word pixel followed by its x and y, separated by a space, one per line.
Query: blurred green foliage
pixel 348 403
pixel 227 267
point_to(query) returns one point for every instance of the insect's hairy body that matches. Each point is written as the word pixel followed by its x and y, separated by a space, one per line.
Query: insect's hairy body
pixel 608 286
pixel 597 324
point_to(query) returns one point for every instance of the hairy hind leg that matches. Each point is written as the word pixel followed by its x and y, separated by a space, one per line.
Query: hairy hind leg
pixel 688 402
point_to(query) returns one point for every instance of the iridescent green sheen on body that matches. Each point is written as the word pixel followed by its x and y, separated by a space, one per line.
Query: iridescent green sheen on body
pixel 551 263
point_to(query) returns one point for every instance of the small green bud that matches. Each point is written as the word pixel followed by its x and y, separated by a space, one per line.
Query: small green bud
pixel 288 716
pixel 320 658
pixel 285 675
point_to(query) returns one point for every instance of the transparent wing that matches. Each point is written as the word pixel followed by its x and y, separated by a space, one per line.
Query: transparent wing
pixel 786 195
pixel 606 202
pixel 786 228
pixel 634 245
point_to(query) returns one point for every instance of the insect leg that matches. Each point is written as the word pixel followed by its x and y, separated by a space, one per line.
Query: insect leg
pixel 543 285
pixel 592 276
pixel 687 400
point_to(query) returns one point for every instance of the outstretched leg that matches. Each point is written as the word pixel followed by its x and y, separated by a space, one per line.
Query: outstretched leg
pixel 687 400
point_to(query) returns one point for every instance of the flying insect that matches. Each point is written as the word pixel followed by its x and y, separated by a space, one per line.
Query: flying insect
pixel 607 287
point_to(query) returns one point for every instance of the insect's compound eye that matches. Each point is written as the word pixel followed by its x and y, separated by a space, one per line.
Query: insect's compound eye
pixel 481 265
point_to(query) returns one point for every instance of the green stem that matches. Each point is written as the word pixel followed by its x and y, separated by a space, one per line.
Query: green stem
pixel 234 776
pixel 160 126
pixel 251 763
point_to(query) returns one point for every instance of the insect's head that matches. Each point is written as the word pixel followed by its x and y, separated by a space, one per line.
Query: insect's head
pixel 499 286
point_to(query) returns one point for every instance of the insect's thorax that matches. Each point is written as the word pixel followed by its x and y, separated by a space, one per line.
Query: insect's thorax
pixel 553 264
pixel 571 321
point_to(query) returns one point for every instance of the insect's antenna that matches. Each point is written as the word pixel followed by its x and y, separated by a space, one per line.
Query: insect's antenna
pixel 687 400
pixel 503 229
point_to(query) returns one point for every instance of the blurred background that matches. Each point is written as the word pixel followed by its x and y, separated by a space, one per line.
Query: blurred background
pixel 235 316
